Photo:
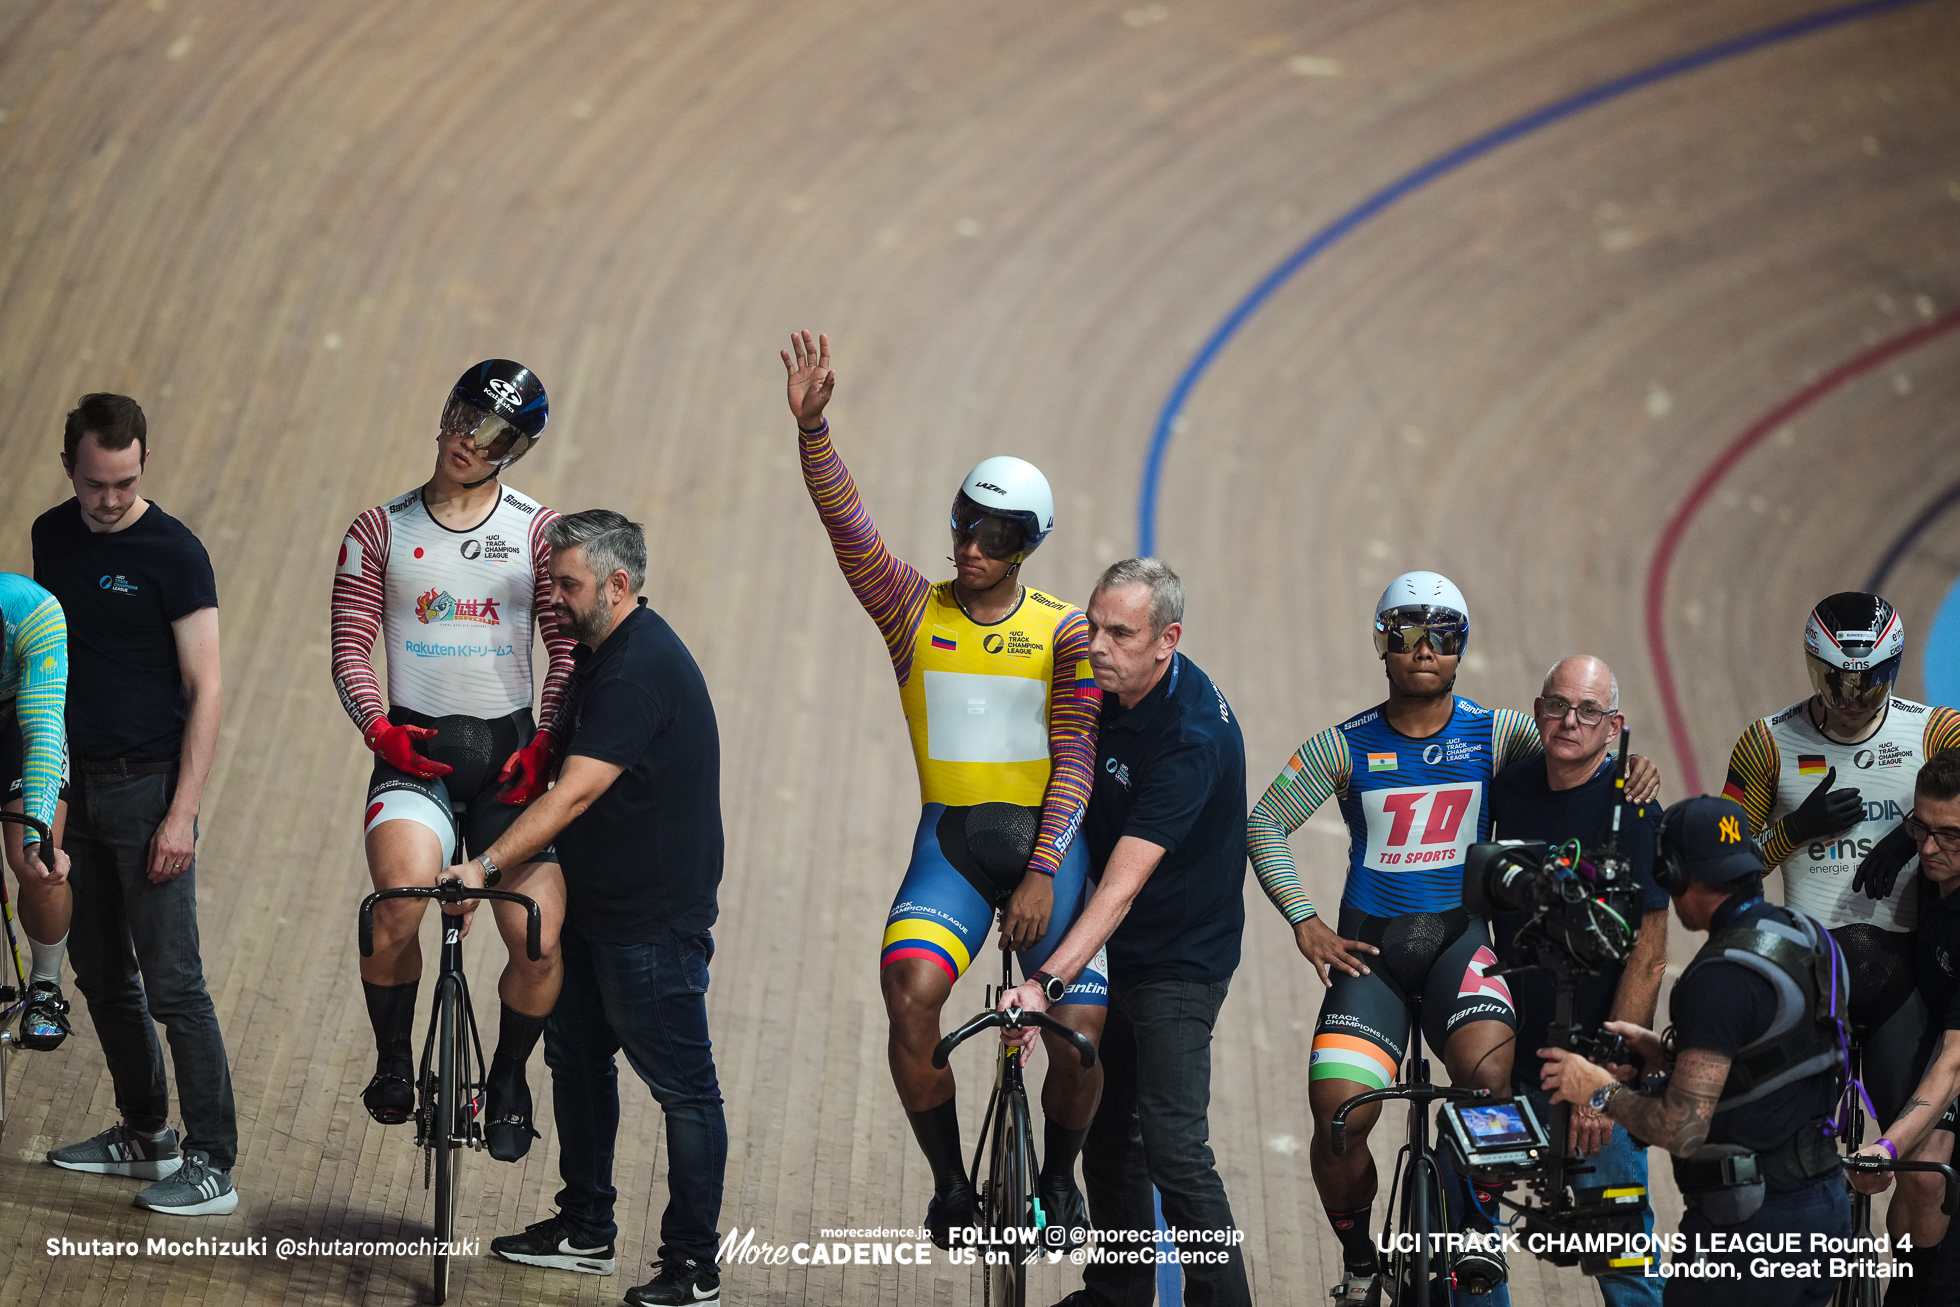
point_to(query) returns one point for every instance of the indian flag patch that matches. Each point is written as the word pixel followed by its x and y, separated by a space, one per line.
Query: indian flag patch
pixel 1381 762
pixel 1811 764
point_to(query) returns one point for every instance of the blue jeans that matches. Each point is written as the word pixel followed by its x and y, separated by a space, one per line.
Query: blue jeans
pixel 1152 1127
pixel 134 947
pixel 1621 1161
pixel 649 999
pixel 1821 1208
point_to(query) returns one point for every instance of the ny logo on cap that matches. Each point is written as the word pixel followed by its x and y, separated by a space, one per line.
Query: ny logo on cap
pixel 1731 831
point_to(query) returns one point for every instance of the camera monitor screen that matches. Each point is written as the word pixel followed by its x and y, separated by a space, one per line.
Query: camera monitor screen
pixel 1496 1125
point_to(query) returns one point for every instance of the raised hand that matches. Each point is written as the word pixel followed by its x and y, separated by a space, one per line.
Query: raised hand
pixel 811 382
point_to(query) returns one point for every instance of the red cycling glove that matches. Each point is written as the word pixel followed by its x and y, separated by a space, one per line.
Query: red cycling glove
pixel 528 770
pixel 396 744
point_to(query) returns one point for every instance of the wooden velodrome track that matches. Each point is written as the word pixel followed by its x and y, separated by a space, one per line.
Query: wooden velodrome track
pixel 285 228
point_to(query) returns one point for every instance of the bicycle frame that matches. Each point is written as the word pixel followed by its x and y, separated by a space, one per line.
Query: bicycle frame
pixel 1858 1289
pixel 1009 1125
pixel 1416 1177
pixel 449 1087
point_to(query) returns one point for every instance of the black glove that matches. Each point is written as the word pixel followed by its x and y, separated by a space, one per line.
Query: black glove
pixel 1880 869
pixel 1825 812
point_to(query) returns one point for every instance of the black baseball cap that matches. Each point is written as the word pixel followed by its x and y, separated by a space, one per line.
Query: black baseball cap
pixel 1710 836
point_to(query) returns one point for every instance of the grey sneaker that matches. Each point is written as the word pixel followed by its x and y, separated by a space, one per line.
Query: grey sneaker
pixel 196 1189
pixel 122 1151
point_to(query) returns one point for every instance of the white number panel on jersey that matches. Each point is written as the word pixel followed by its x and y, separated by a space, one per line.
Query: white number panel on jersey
pixel 1422 825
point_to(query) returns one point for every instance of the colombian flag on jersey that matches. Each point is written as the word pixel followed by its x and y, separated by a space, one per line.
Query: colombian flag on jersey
pixel 944 639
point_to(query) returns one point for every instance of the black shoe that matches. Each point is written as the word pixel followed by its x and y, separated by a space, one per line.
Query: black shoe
pixel 550 1243
pixel 681 1280
pixel 508 1132
pixel 1079 1298
pixel 1477 1271
pixel 389 1098
pixel 1067 1213
pixel 949 1211
pixel 44 1021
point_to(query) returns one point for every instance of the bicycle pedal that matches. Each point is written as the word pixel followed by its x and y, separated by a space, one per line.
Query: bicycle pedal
pixel 8 994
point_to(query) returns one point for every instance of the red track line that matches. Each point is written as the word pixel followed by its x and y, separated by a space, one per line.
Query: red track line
pixel 1677 526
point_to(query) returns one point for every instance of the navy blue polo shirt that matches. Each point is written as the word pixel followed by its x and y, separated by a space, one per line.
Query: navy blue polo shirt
pixel 645 858
pixel 1524 806
pixel 1172 771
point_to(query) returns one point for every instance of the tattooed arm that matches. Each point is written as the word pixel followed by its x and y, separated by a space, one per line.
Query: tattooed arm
pixel 1677 1120
pixel 1910 1128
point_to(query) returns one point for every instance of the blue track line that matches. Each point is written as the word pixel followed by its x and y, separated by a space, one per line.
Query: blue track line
pixel 1939 658
pixel 1473 149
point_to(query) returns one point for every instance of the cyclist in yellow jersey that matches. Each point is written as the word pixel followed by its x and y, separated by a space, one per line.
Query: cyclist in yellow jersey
pixel 1001 705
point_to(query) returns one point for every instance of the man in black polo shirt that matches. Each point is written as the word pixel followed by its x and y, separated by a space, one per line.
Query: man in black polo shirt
pixel 1166 832
pixel 636 818
pixel 143 707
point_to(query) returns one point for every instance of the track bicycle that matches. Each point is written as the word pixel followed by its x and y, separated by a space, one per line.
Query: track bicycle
pixel 1007 1208
pixel 1858 1289
pixel 449 1089
pixel 13 984
pixel 1416 1276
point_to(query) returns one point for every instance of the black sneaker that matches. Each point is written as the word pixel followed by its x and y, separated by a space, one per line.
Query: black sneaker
pixel 549 1243
pixel 508 1132
pixel 949 1211
pixel 1477 1271
pixel 1067 1214
pixel 681 1280
pixel 44 1021
pixel 389 1098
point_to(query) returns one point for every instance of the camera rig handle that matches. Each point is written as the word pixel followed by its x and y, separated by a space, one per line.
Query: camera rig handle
pixel 1619 794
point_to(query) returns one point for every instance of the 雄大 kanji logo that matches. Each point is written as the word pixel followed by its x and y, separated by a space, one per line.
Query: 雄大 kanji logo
pixel 438 606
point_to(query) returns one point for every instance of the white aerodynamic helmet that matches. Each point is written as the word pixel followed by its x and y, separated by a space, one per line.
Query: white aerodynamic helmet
pixel 1853 645
pixel 1009 493
pixel 1418 606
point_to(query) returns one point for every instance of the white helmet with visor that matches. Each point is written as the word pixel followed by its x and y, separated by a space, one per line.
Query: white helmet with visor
pixel 1420 606
pixel 1853 645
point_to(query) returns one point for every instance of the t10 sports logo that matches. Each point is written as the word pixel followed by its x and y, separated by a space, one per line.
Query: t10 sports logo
pixel 1421 826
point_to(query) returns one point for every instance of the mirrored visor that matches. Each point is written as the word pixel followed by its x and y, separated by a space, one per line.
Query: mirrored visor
pixel 999 537
pixel 1400 630
pixel 495 439
pixel 1849 691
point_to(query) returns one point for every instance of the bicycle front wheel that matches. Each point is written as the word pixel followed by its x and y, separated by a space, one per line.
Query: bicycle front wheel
pixel 449 1075
pixel 1008 1209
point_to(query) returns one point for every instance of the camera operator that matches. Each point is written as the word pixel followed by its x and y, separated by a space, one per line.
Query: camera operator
pixel 1568 793
pixel 1750 1153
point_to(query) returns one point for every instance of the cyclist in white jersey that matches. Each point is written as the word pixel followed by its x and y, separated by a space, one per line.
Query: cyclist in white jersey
pixel 1826 783
pixel 453 576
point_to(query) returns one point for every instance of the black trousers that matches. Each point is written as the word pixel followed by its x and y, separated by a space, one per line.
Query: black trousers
pixel 1152 1128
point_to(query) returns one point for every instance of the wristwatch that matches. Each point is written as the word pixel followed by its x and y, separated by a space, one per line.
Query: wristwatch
pixel 1052 987
pixel 1602 1096
pixel 491 873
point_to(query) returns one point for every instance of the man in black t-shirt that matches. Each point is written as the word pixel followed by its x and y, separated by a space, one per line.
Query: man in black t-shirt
pixel 1568 793
pixel 143 709
pixel 1924 1131
pixel 636 818
pixel 1755 1067
pixel 1166 832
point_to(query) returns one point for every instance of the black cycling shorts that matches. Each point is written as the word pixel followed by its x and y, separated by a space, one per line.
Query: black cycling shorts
pixel 1438 959
pixel 394 795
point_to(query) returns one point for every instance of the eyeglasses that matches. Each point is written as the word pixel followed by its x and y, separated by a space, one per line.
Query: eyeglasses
pixel 1553 709
pixel 1947 837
